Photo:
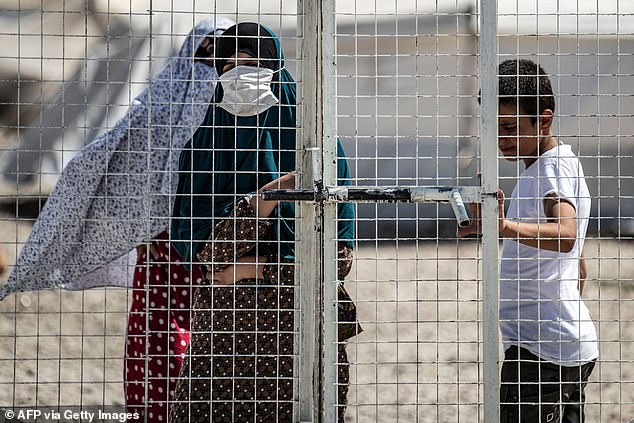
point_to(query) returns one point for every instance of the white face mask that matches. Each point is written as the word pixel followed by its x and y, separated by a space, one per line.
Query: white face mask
pixel 247 90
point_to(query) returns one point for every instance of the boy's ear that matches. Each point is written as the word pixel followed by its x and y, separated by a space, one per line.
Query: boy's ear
pixel 545 120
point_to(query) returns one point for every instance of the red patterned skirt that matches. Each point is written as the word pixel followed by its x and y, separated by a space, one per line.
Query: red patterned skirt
pixel 158 329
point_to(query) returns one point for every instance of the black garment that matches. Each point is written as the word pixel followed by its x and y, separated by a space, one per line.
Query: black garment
pixel 537 391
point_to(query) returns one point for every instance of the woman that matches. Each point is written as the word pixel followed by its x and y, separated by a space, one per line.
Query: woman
pixel 240 361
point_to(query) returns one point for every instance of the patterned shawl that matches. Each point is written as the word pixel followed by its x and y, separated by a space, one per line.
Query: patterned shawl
pixel 118 191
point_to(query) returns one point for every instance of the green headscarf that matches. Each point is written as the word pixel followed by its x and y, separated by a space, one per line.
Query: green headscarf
pixel 244 153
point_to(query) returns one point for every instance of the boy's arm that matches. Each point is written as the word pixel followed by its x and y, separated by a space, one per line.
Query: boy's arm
pixel 582 274
pixel 559 233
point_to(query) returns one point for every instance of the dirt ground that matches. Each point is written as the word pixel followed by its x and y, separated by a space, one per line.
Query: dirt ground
pixel 418 359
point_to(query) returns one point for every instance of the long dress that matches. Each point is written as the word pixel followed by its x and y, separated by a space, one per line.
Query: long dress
pixel 239 366
pixel 158 329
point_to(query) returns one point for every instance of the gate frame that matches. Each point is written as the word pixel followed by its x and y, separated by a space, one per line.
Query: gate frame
pixel 316 280
pixel 488 49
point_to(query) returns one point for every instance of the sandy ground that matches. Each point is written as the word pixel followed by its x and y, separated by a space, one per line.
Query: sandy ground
pixel 419 358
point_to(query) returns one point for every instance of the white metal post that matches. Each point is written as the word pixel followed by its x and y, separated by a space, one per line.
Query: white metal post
pixel 308 277
pixel 329 245
pixel 318 330
pixel 490 236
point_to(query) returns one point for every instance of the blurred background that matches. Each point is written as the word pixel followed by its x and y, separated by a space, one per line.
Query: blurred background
pixel 406 94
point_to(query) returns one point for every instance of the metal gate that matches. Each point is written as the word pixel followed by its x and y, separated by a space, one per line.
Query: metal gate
pixel 319 194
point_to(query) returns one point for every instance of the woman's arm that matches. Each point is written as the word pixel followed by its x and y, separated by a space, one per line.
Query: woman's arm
pixel 236 236
pixel 283 272
pixel 249 267
pixel 265 208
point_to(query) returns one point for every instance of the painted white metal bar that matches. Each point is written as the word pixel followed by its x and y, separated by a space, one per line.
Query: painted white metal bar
pixel 374 194
pixel 456 196
pixel 420 194
pixel 329 246
pixel 458 207
pixel 490 237
pixel 307 280
pixel 451 195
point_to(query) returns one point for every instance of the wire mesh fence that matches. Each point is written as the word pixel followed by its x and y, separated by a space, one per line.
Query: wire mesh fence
pixel 118 95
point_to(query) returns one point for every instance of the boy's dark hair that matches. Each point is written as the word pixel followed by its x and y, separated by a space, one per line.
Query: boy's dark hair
pixel 524 84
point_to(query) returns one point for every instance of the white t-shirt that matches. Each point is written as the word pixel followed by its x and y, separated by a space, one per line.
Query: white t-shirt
pixel 540 306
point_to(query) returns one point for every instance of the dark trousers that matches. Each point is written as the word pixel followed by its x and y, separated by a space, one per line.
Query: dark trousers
pixel 536 391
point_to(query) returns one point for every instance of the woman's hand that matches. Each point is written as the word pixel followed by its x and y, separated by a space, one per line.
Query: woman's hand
pixel 205 51
pixel 265 208
pixel 3 263
pixel 248 267
pixel 154 252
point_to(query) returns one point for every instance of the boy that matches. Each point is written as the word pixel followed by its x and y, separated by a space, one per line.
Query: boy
pixel 549 339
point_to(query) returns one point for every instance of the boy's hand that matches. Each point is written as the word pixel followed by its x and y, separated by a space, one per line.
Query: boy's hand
pixel 502 222
pixel 475 227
